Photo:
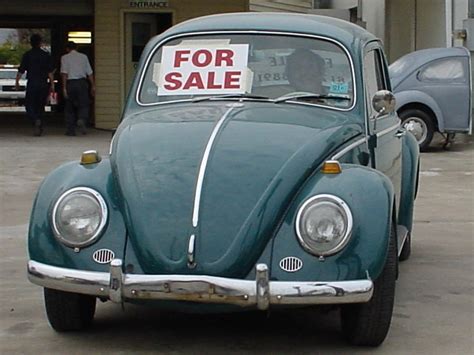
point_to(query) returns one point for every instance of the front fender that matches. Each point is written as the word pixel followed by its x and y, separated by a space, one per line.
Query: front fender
pixel 414 96
pixel 369 195
pixel 410 166
pixel 43 245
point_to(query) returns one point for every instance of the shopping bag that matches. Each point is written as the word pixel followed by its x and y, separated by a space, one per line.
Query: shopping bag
pixel 53 98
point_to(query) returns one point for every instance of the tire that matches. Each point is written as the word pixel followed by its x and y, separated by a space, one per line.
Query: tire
pixel 420 124
pixel 406 250
pixel 368 323
pixel 68 311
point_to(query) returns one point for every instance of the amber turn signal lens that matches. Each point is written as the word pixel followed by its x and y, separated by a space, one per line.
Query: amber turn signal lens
pixel 90 157
pixel 331 167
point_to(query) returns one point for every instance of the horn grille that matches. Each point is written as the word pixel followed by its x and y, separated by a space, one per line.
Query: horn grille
pixel 103 256
pixel 291 264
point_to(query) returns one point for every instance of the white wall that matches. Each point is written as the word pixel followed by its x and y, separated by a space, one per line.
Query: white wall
pixel 459 14
pixel 373 14
pixel 430 24
pixel 400 38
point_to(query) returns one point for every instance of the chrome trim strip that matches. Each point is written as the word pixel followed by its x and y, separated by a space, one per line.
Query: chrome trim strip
pixel 259 293
pixel 348 148
pixel 280 33
pixel 388 130
pixel 338 202
pixel 191 244
pixel 103 207
pixel 202 168
pixel 111 145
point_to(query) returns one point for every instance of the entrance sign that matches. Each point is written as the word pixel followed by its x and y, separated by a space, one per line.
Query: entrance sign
pixel 203 68
pixel 148 3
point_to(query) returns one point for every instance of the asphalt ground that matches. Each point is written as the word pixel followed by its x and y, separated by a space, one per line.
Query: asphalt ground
pixel 434 309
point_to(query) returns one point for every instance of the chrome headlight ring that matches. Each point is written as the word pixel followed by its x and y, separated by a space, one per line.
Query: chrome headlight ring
pixel 340 211
pixel 98 203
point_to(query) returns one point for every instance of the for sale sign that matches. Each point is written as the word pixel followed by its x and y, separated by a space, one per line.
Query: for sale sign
pixel 203 67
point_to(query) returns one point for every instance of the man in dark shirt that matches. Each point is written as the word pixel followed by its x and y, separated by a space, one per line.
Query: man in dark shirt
pixel 39 67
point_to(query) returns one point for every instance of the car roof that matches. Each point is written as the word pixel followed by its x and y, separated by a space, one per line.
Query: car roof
pixel 345 32
pixel 411 62
pixel 435 53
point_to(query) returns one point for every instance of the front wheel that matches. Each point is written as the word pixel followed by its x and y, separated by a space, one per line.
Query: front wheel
pixel 68 311
pixel 420 124
pixel 368 323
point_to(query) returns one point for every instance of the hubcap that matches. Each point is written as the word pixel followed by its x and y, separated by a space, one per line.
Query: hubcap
pixel 417 127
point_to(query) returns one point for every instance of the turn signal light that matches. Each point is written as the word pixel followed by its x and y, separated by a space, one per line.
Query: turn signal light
pixel 331 167
pixel 90 157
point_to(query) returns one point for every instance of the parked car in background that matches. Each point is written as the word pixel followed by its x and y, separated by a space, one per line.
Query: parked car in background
pixel 8 91
pixel 433 92
pixel 248 172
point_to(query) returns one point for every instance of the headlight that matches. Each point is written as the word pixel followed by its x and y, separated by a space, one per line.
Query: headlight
pixel 324 225
pixel 79 216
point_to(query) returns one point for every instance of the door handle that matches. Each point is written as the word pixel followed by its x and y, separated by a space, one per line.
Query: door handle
pixel 400 133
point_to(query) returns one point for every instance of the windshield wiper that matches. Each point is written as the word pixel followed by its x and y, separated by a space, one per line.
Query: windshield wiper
pixel 310 97
pixel 231 96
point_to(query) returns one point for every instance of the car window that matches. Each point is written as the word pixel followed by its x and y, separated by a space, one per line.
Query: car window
pixel 373 76
pixel 451 69
pixel 399 66
pixel 264 65
pixel 8 74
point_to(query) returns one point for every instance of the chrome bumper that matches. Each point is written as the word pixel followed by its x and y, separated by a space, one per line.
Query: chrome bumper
pixel 260 293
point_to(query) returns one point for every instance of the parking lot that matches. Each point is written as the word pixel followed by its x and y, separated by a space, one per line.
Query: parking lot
pixel 434 310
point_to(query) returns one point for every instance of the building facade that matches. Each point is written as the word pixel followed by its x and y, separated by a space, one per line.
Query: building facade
pixel 116 30
pixel 111 32
pixel 403 25
pixel 122 28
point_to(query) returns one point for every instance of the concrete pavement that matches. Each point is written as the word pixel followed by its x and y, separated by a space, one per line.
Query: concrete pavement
pixel 434 308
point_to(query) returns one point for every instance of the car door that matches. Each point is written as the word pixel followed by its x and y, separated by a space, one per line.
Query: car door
pixel 447 81
pixel 384 129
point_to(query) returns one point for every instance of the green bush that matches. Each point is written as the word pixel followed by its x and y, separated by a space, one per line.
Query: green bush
pixel 12 53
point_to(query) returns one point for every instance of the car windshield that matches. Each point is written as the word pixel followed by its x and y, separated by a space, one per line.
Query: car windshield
pixel 249 66
pixel 8 74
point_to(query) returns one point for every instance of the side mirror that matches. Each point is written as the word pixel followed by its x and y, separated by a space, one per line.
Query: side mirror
pixel 383 102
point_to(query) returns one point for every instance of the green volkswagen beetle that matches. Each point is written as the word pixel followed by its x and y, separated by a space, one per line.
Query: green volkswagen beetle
pixel 259 164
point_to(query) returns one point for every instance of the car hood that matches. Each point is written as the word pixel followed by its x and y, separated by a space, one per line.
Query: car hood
pixel 259 154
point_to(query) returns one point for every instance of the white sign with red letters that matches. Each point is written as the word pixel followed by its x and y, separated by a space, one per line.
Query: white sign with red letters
pixel 203 67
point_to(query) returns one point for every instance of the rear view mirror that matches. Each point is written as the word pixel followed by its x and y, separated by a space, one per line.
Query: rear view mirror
pixel 383 102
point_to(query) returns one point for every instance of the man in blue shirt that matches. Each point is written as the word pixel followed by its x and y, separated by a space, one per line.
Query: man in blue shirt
pixel 39 67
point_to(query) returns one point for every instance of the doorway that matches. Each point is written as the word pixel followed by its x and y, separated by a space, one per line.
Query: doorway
pixel 139 28
pixel 15 31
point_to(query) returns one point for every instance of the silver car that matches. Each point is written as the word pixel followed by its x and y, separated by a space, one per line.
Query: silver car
pixel 7 84
pixel 433 92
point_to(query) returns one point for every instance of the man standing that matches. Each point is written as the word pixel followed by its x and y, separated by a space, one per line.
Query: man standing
pixel 39 67
pixel 75 72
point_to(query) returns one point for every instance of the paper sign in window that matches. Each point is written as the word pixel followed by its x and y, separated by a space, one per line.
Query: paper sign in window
pixel 203 69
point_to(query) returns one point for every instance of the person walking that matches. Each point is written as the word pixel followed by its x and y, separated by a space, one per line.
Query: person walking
pixel 76 72
pixel 39 68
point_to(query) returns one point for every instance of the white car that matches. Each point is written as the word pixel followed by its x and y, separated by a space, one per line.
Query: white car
pixel 7 84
